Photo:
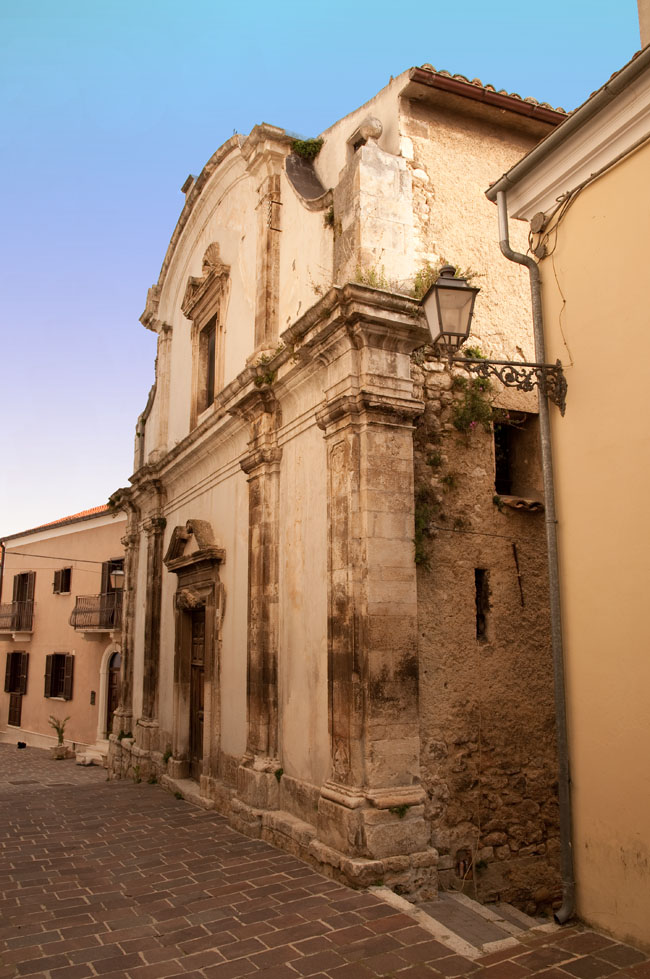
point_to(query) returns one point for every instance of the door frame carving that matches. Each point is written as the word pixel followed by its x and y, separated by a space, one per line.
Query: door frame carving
pixel 199 587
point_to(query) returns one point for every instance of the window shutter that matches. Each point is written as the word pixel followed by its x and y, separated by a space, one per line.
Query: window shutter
pixel 24 666
pixel 106 570
pixel 15 708
pixel 67 681
pixel 56 587
pixel 8 673
pixel 48 675
pixel 31 579
pixel 16 597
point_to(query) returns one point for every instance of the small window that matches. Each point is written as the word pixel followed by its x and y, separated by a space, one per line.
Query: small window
pixel 208 376
pixel 517 465
pixel 62 581
pixel 482 598
pixel 16 672
pixel 59 669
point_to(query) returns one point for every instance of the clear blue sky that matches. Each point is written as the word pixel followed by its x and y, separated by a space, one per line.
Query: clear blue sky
pixel 106 109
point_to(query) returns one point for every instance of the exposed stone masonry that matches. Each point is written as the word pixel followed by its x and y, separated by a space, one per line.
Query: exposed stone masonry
pixel 487 729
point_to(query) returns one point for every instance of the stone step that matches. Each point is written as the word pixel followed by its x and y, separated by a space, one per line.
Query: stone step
pixel 469 928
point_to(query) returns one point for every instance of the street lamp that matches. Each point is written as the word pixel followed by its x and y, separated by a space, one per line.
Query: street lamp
pixel 117 579
pixel 448 307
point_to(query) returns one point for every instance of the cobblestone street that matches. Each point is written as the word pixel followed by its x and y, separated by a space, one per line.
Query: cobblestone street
pixel 119 879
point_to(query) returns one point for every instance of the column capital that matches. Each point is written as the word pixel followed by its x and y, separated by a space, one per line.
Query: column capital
pixel 154 526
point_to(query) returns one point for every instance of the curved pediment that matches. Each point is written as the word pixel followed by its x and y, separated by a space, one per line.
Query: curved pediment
pixel 215 274
pixel 191 544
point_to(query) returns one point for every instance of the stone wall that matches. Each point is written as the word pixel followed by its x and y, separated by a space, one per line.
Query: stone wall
pixel 486 703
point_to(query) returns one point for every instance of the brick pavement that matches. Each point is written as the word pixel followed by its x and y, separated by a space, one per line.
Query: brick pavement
pixel 114 879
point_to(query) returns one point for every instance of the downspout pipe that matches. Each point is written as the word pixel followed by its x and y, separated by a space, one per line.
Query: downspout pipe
pixel 564 783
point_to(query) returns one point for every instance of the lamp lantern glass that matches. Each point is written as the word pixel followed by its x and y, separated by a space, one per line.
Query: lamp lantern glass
pixel 117 579
pixel 448 307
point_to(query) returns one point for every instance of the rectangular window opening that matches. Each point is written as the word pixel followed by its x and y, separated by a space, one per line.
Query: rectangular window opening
pixel 59 668
pixel 482 598
pixel 517 463
pixel 62 581
pixel 211 353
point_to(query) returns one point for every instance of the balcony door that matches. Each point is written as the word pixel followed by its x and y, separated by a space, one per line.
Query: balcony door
pixel 197 683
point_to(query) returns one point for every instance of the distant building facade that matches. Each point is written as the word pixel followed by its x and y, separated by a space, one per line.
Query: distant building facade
pixel 335 626
pixel 585 192
pixel 60 631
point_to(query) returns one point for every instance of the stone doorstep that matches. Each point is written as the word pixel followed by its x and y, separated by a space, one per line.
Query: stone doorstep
pixel 468 928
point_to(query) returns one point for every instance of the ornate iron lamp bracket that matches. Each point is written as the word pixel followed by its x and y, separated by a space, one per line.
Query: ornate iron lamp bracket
pixel 522 375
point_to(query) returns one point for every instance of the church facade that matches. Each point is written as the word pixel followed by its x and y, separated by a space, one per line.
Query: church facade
pixel 334 614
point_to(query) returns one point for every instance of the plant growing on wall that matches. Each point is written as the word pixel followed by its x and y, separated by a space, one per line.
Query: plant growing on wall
pixel 308 149
pixel 473 405
pixel 426 276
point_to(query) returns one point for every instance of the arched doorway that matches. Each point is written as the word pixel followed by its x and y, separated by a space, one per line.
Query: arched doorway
pixel 113 687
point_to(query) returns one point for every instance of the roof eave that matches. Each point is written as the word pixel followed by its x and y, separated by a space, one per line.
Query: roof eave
pixel 594 104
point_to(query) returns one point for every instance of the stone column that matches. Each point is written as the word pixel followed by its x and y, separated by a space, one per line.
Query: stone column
pixel 257 785
pixel 147 733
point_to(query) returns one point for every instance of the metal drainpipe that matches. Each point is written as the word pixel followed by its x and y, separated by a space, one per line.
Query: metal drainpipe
pixel 564 790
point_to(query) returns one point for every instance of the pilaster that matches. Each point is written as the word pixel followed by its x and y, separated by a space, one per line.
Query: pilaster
pixel 257 786
pixel 146 735
pixel 264 152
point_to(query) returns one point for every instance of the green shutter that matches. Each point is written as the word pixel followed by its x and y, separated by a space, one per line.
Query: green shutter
pixel 48 675
pixel 31 581
pixel 67 681
pixel 8 673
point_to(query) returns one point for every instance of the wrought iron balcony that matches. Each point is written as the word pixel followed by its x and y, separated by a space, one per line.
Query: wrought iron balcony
pixel 16 616
pixel 97 613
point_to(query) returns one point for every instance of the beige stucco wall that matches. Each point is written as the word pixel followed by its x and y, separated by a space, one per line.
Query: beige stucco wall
pixel 43 553
pixel 303 597
pixel 214 489
pixel 596 320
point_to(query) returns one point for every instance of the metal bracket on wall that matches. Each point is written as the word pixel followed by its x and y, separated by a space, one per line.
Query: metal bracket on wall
pixel 522 375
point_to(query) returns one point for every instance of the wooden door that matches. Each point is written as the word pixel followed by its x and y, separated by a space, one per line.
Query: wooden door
pixel 113 692
pixel 197 665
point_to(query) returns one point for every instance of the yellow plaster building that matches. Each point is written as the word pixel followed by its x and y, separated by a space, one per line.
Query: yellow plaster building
pixel 586 192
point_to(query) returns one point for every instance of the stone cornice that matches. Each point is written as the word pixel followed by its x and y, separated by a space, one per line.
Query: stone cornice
pixel 265 150
pixel 265 457
pixel 376 406
pixel 396 321
pixel 382 319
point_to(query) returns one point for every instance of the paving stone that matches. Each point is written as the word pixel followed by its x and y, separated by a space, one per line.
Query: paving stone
pixel 620 955
pixel 589 967
pixel 122 881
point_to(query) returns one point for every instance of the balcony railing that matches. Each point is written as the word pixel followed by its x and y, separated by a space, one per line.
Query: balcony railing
pixel 16 616
pixel 102 613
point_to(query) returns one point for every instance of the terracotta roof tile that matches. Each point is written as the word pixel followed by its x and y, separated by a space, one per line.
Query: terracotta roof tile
pixel 490 88
pixel 92 512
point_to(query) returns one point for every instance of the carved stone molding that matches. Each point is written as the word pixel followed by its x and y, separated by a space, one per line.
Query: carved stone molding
pixel 177 561
pixel 268 456
pixel 377 407
pixel 154 526
pixel 149 316
pixel 214 276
